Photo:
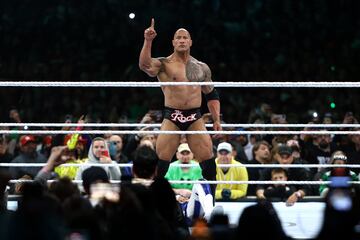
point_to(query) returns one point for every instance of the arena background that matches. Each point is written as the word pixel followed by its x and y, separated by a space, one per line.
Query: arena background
pixel 258 40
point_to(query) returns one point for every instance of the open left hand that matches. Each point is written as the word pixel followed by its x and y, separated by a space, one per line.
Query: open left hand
pixel 217 127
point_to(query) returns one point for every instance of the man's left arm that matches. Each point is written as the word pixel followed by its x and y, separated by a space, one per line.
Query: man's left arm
pixel 240 189
pixel 213 99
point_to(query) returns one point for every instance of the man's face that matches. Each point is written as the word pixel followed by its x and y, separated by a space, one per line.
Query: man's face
pixel 67 155
pixel 323 141
pixel 285 158
pixel 151 138
pixel 117 140
pixel 182 41
pixel 98 146
pixel 263 153
pixel 29 148
pixel 184 156
pixel 242 139
pixel 224 157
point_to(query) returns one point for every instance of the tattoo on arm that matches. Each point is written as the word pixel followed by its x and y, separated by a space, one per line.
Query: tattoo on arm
pixel 207 78
pixel 194 72
pixel 162 61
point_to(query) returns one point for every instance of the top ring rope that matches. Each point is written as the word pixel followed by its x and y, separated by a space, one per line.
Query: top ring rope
pixel 225 125
pixel 159 84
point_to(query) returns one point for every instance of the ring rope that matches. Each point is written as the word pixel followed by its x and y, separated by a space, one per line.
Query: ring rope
pixel 159 84
pixel 214 182
pixel 225 125
pixel 47 132
pixel 123 165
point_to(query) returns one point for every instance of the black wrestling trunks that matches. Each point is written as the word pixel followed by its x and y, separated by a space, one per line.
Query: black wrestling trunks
pixel 182 118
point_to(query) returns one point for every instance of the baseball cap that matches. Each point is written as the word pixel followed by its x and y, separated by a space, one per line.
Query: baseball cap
pixel 224 146
pixel 183 147
pixel 26 139
pixel 338 156
pixel 284 149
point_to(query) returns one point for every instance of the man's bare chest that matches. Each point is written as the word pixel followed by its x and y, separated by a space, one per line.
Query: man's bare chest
pixel 184 72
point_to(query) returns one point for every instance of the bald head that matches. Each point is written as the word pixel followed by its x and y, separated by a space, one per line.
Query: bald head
pixel 182 41
pixel 182 30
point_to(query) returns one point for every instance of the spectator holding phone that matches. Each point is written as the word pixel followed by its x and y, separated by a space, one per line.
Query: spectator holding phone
pixel 99 153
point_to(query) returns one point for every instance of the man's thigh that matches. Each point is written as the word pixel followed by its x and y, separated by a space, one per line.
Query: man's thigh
pixel 200 144
pixel 166 144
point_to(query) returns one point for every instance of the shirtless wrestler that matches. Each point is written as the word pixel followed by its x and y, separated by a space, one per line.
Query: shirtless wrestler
pixel 182 103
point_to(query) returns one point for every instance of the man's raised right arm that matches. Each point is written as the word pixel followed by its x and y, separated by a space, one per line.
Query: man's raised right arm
pixel 146 63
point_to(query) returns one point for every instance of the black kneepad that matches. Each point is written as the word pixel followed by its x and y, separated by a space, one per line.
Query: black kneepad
pixel 162 167
pixel 208 169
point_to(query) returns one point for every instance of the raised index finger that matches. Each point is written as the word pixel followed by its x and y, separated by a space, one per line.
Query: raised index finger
pixel 152 23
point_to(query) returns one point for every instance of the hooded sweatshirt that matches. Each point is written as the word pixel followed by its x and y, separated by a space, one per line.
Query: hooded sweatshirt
pixel 112 171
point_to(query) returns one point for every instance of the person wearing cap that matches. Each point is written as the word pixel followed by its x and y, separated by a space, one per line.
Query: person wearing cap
pixel 337 157
pixel 28 154
pixel 194 202
pixel 234 173
pixel 195 199
pixel 75 153
pixel 184 156
pixel 54 169
pixel 284 155
pixel 78 142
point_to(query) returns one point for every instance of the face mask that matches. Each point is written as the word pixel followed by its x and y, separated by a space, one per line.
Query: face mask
pixel 112 149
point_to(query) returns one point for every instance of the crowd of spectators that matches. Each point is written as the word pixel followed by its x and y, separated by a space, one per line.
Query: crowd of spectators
pixel 146 207
pixel 230 149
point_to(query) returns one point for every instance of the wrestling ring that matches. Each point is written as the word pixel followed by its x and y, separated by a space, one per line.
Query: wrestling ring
pixel 303 220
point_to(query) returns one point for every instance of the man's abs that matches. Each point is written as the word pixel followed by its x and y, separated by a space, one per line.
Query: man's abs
pixel 178 97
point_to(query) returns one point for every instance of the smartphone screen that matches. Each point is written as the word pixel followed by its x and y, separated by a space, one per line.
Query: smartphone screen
pixel 105 153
